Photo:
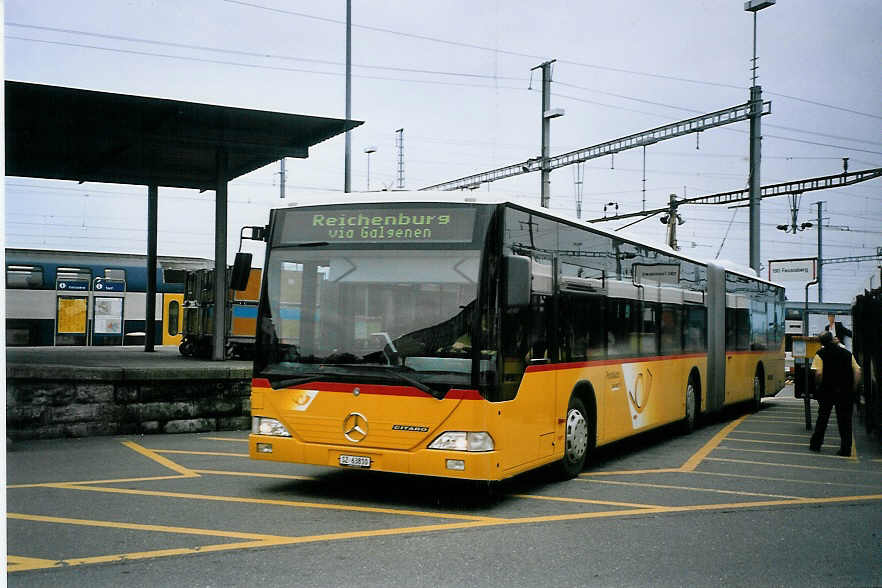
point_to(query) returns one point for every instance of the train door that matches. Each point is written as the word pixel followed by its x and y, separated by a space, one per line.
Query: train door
pixel 72 293
pixel 172 318
pixel 108 311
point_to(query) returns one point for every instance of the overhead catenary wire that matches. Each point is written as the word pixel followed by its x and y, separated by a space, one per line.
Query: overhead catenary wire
pixel 395 69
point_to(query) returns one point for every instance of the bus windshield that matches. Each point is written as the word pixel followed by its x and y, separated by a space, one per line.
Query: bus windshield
pixel 385 315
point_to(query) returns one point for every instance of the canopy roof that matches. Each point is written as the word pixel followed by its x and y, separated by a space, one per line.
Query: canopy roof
pixel 83 135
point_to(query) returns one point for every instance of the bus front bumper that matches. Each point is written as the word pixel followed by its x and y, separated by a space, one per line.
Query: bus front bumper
pixel 424 462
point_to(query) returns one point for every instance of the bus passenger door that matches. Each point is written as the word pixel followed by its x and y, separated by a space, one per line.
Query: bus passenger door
pixel 528 408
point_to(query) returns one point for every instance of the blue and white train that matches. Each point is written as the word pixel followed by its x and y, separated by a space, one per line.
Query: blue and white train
pixel 87 298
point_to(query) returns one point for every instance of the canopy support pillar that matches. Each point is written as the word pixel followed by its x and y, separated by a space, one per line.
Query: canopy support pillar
pixel 220 257
pixel 150 303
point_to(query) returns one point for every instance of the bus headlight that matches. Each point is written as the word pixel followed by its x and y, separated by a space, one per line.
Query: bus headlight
pixel 463 441
pixel 266 426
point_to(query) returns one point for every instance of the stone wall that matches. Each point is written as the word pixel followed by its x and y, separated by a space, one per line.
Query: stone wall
pixel 64 401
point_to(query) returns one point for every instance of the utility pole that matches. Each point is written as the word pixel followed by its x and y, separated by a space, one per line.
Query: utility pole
pixel 346 158
pixel 820 257
pixel 756 103
pixel 399 145
pixel 282 179
pixel 578 185
pixel 672 219
pixel 756 107
pixel 547 115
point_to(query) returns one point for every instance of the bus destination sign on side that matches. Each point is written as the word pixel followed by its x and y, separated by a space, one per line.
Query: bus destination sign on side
pixel 378 225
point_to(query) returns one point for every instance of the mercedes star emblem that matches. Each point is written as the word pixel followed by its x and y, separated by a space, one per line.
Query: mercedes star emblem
pixel 355 427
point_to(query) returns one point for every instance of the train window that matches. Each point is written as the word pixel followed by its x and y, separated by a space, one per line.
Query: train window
pixel 24 276
pixel 74 273
pixel 174 310
pixel 115 274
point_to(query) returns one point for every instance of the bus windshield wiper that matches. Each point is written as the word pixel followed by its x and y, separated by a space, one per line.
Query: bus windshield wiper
pixel 277 384
pixel 363 370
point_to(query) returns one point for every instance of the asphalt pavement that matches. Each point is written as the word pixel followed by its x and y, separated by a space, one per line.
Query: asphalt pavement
pixel 739 502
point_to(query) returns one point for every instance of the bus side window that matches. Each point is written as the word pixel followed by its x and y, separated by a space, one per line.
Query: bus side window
pixel 696 329
pixel 671 329
pixel 539 325
pixel 730 329
pixel 583 336
pixel 742 329
pixel 649 329
pixel 622 328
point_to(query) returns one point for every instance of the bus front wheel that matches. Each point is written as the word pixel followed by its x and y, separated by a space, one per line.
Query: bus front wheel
pixel 579 439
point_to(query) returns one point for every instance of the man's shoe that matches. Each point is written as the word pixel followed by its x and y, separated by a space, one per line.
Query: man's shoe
pixel 815 448
pixel 842 453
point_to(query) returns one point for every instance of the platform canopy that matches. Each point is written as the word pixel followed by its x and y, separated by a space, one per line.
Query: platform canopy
pixel 83 135
pixel 63 133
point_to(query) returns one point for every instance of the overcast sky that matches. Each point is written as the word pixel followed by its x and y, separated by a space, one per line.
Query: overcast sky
pixel 456 76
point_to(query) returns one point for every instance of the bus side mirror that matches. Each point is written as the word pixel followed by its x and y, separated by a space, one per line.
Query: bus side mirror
pixel 241 272
pixel 518 280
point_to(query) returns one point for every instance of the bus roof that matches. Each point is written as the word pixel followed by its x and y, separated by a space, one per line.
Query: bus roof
pixel 474 197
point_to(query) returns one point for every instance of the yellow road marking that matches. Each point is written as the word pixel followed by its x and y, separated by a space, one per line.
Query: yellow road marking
pixel 444 527
pixel 807 435
pixel 690 489
pixel 288 503
pixel 702 453
pixel 764 441
pixel 777 420
pixel 111 481
pixel 803 453
pixel 140 527
pixel 18 563
pixel 160 460
pixel 628 472
pixel 583 501
pixel 794 480
pixel 254 475
pixel 186 452
pixel 224 439
pixel 791 465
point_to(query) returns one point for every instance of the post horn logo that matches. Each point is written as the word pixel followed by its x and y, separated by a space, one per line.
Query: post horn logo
pixel 355 427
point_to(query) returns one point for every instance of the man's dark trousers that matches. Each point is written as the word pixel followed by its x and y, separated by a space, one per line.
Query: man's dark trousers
pixel 843 404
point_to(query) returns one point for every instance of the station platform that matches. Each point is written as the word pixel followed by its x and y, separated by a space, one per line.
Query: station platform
pixel 84 391
pixel 164 362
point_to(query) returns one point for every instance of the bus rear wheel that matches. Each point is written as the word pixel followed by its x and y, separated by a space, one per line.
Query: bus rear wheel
pixel 579 439
pixel 758 391
pixel 692 400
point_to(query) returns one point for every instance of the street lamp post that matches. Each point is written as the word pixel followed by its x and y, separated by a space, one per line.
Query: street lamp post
pixel 368 151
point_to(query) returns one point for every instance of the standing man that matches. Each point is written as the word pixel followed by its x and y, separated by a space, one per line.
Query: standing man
pixel 836 377
pixel 839 330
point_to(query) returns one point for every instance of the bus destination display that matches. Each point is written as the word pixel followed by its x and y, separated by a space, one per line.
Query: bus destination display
pixel 379 225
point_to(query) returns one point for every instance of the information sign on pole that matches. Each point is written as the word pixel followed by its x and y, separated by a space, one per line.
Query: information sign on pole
pixel 793 270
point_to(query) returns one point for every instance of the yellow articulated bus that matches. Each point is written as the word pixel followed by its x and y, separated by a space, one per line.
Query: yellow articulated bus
pixel 478 340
